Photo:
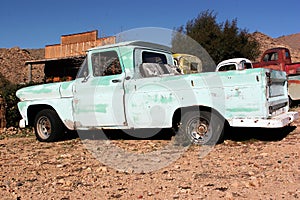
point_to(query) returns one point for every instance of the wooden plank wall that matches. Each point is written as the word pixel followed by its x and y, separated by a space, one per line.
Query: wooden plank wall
pixel 76 44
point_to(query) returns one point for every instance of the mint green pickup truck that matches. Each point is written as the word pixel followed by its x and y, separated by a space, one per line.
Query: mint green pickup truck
pixel 134 85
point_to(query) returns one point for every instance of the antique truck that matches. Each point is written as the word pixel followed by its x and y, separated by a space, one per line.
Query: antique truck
pixel 134 85
pixel 234 64
pixel 188 64
pixel 280 59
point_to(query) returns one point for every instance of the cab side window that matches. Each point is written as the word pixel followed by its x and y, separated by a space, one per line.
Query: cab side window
pixel 106 63
pixel 271 57
pixel 274 56
pixel 227 68
pixel 287 55
pixel 151 57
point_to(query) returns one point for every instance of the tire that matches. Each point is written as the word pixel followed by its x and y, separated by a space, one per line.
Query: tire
pixel 201 128
pixel 48 126
pixel 291 103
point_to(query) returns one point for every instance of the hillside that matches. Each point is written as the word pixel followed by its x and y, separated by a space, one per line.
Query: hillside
pixel 291 42
pixel 12 64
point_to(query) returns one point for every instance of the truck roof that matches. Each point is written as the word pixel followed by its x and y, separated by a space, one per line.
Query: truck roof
pixel 135 43
pixel 234 60
pixel 276 48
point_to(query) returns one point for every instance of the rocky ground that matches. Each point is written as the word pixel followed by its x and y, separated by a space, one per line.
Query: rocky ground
pixel 249 164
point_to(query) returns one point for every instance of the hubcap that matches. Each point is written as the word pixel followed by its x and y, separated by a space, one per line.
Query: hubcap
pixel 44 127
pixel 198 129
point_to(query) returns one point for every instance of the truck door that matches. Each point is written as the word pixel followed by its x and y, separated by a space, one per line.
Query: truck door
pixel 150 101
pixel 99 91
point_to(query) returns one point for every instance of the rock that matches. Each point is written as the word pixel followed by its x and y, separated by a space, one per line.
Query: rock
pixel 229 196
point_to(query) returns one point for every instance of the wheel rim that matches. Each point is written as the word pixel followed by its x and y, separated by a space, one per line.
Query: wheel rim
pixel 199 130
pixel 44 127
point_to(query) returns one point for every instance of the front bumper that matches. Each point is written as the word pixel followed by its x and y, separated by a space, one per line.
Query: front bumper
pixel 22 123
pixel 278 121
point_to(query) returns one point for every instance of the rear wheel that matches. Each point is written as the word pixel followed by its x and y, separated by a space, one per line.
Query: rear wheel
pixel 48 126
pixel 290 102
pixel 201 127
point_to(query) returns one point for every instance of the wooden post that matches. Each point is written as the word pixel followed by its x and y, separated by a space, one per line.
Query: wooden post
pixel 2 113
pixel 29 73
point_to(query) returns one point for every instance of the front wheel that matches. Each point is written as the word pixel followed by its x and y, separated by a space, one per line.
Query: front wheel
pixel 201 127
pixel 48 126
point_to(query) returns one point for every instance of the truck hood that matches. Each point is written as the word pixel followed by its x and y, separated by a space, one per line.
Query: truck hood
pixel 46 91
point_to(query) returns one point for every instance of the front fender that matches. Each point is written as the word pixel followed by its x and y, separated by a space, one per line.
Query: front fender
pixel 63 107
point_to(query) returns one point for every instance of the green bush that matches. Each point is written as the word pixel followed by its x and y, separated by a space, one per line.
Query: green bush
pixel 8 92
pixel 12 114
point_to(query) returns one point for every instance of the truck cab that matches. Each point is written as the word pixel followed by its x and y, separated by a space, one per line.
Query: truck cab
pixel 188 64
pixel 234 64
pixel 280 59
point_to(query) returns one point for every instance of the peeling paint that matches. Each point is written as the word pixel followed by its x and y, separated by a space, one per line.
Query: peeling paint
pixel 242 109
pixel 166 100
pixel 66 85
pixel 102 108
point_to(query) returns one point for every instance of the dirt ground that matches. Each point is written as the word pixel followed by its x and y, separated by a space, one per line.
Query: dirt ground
pixel 249 164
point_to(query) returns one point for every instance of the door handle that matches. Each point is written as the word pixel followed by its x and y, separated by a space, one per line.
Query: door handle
pixel 116 80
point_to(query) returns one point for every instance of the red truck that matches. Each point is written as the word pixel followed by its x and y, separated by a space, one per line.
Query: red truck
pixel 280 59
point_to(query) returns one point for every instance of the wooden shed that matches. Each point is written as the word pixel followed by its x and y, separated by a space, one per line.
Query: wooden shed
pixel 63 60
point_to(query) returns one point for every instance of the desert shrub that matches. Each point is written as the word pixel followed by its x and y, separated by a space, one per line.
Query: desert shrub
pixel 8 92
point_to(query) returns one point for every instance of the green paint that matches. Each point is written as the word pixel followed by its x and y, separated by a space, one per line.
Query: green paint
pixel 22 105
pixel 40 89
pixel 101 108
pixel 65 85
pixel 102 80
pixel 37 90
pixel 155 99
pixel 43 90
pixel 240 109
pixel 166 99
pixel 133 105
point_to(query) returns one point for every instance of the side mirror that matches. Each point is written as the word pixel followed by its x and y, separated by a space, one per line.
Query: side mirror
pixel 85 77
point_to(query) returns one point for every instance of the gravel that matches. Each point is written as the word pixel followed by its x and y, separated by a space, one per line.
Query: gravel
pixel 249 164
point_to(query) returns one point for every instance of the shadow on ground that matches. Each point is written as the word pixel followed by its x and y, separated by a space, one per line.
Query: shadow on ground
pixel 261 134
pixel 139 134
pixel 234 134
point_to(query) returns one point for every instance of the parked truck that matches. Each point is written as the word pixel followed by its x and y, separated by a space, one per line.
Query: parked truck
pixel 188 64
pixel 280 59
pixel 133 85
pixel 234 64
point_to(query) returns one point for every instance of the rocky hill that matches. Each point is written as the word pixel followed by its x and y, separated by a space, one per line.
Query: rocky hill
pixel 12 61
pixel 292 42
pixel 12 64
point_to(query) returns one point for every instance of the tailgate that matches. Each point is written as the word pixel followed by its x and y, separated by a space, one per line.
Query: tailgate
pixel 277 92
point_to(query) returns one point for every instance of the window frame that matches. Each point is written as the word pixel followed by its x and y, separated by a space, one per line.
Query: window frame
pixel 101 65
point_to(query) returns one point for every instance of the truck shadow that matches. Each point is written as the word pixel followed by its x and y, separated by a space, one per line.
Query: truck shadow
pixel 231 133
pixel 116 134
pixel 261 134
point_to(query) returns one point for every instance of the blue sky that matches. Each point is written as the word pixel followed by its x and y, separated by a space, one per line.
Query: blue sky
pixel 36 23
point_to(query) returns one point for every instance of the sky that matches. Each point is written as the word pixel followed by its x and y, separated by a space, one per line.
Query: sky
pixel 37 23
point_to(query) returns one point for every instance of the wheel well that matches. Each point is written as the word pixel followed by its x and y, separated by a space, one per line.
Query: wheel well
pixel 181 111
pixel 33 110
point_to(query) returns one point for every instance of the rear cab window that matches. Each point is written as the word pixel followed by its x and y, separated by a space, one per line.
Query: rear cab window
pixel 227 67
pixel 149 63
